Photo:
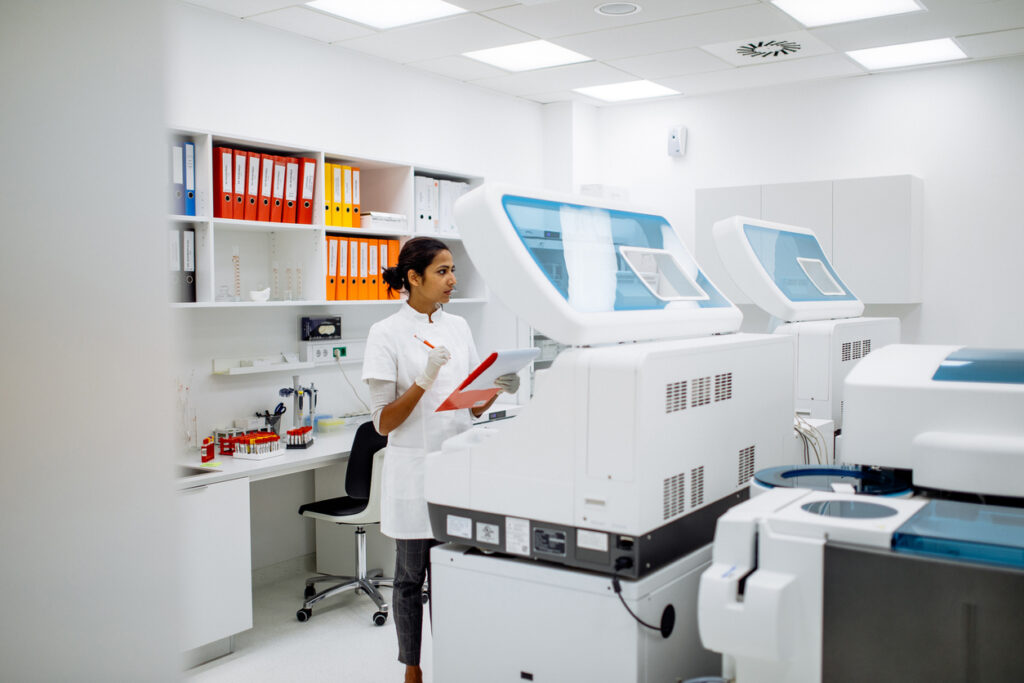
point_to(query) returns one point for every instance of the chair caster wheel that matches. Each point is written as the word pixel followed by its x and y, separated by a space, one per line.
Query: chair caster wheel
pixel 304 614
pixel 380 618
pixel 425 597
pixel 309 592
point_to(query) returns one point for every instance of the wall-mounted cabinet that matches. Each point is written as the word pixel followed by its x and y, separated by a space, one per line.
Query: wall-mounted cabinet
pixel 234 257
pixel 870 228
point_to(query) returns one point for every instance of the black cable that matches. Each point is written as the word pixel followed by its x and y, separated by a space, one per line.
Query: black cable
pixel 618 591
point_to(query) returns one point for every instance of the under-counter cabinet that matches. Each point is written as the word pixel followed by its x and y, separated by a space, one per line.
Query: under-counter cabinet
pixel 215 573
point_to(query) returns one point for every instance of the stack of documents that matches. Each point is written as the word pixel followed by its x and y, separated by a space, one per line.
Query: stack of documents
pixel 183 178
pixel 385 221
pixel 341 196
pixel 435 202
pixel 253 186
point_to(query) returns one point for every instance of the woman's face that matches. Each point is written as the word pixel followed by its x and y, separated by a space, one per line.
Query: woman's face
pixel 438 280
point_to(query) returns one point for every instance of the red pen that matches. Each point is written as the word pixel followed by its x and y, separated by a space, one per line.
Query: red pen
pixel 423 340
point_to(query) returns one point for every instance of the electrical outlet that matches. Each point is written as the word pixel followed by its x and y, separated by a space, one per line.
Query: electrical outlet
pixel 340 351
pixel 320 352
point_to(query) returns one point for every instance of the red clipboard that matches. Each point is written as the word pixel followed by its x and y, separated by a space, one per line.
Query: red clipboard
pixel 478 387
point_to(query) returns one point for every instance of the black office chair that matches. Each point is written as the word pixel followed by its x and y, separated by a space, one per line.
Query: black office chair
pixel 360 507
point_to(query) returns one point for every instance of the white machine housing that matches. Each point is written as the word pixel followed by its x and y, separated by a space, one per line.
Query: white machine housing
pixel 785 272
pixel 628 452
pixel 826 351
pixel 760 602
pixel 952 415
pixel 536 621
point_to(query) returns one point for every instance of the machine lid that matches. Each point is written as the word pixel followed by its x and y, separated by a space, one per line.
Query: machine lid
pixel 864 480
pixel 996 366
pixel 969 532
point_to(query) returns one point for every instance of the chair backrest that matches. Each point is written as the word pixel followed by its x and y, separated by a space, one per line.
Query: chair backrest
pixel 359 471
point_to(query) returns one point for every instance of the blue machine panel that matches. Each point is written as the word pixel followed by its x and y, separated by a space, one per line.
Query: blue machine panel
pixel 569 241
pixel 796 264
pixel 970 532
pixel 997 366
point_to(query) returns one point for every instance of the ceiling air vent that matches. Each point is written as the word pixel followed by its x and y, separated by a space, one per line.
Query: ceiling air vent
pixel 764 49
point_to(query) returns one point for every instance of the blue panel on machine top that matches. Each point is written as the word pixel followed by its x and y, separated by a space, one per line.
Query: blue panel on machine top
pixel 583 251
pixel 997 366
pixel 780 253
pixel 970 532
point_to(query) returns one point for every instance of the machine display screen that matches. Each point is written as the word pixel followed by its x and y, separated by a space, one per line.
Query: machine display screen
pixel 796 264
pixel 608 260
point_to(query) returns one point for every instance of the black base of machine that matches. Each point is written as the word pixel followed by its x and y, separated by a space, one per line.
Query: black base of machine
pixel 627 556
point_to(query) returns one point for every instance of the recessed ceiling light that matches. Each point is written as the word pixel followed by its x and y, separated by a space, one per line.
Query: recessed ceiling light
pixel 534 54
pixel 822 12
pixel 387 13
pixel 617 9
pixel 630 90
pixel 908 54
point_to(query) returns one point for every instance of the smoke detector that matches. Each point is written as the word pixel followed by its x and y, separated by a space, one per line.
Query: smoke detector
pixel 617 9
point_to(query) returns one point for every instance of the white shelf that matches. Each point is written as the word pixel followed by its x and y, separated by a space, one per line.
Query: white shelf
pixel 271 304
pixel 264 226
pixel 232 366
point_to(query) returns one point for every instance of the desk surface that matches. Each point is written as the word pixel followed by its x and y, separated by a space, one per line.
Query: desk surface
pixel 327 449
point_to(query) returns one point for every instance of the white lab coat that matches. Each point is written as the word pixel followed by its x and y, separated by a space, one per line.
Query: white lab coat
pixel 393 354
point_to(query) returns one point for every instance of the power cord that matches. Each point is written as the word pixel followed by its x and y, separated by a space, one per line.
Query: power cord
pixel 668 617
pixel 354 392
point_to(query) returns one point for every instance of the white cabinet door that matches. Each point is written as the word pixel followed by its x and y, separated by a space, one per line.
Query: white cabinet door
pixel 215 574
pixel 877 227
pixel 712 205
pixel 807 205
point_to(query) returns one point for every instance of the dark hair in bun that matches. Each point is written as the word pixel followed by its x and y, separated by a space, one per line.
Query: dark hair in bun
pixel 416 254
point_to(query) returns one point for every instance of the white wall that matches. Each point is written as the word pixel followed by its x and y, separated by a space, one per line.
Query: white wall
pixel 958 127
pixel 86 530
pixel 247 80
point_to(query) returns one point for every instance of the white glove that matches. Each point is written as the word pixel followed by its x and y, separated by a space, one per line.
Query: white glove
pixel 508 383
pixel 437 357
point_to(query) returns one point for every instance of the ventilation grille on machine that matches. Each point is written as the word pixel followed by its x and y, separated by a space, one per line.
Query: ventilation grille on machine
pixel 746 469
pixel 856 349
pixel 675 397
pixel 675 496
pixel 696 487
pixel 700 393
pixel 723 386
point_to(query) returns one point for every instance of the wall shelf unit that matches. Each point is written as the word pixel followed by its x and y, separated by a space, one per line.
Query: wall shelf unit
pixel 234 256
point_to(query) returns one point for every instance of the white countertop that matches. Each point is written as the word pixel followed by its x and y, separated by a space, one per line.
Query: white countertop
pixel 327 449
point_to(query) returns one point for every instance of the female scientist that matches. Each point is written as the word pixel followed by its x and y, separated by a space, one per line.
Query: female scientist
pixel 414 359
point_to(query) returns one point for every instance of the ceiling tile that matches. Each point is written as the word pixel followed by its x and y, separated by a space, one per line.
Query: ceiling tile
pixel 313 24
pixel 556 78
pixel 440 38
pixel 997 44
pixel 674 34
pixel 480 5
pixel 568 17
pixel 944 19
pixel 244 8
pixel 459 67
pixel 811 68
pixel 769 49
pixel 675 63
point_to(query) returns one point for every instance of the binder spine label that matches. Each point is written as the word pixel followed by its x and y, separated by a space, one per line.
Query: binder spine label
pixel 190 251
pixel 239 174
pixel 190 167
pixel 342 257
pixel 355 185
pixel 268 175
pixel 348 185
pixel 225 172
pixel 292 186
pixel 337 185
pixel 175 251
pixel 332 259
pixel 308 179
pixel 373 262
pixel 254 177
pixel 278 181
pixel 176 167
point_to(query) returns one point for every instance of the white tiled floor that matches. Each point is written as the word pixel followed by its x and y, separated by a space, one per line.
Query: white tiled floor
pixel 340 642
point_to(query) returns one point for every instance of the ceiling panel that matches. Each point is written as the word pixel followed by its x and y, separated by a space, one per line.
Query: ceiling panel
pixel 675 63
pixel 769 49
pixel 568 17
pixel 440 38
pixel 556 78
pixel 460 68
pixel 811 68
pixel 944 19
pixel 243 8
pixel 998 44
pixel 674 34
pixel 313 24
